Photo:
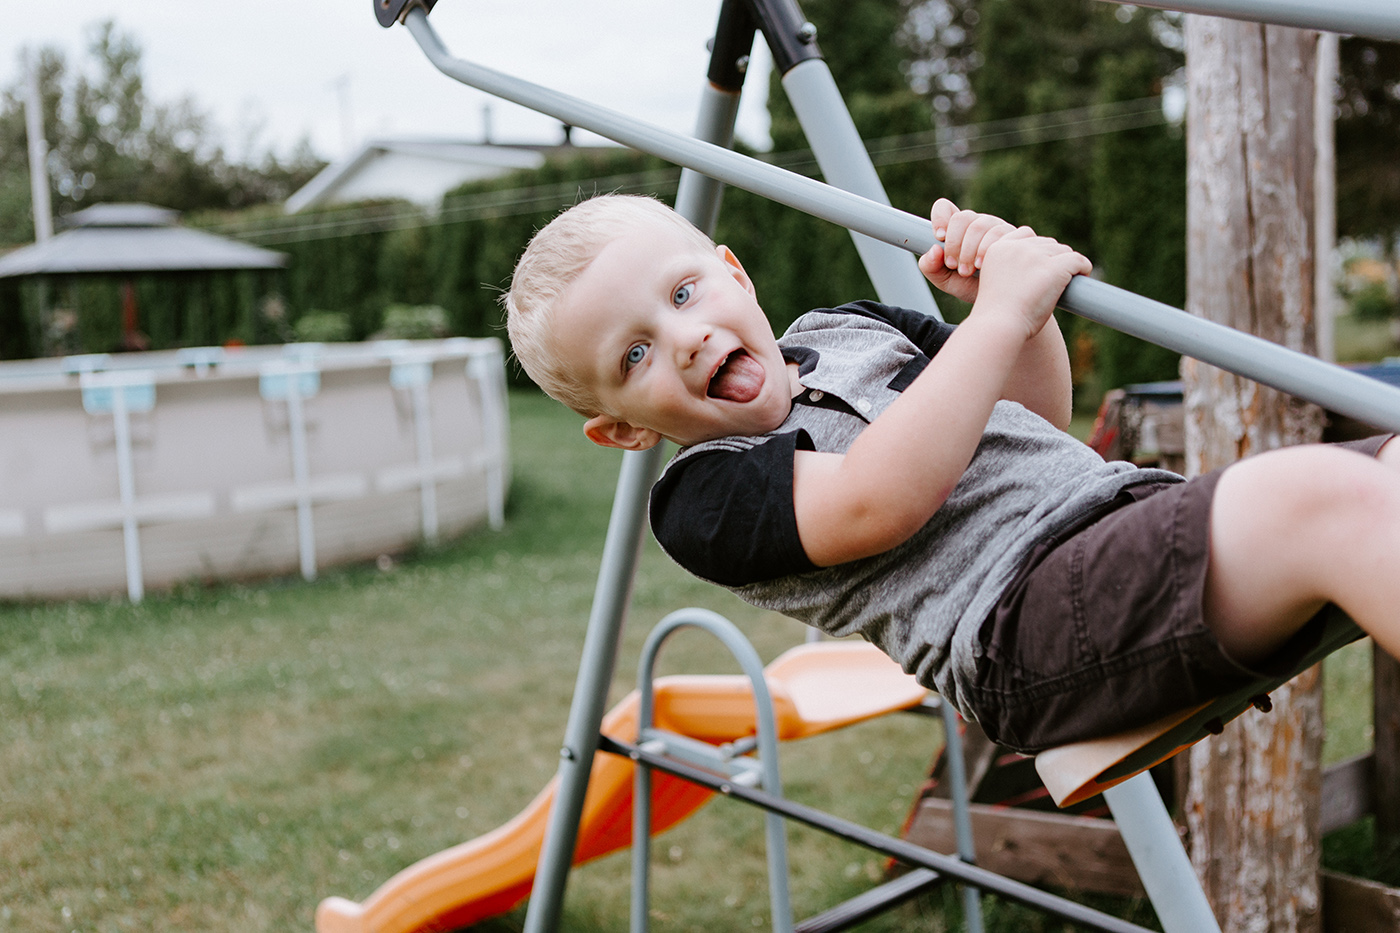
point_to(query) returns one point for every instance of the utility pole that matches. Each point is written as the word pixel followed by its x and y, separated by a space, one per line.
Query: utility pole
pixel 38 150
pixel 347 129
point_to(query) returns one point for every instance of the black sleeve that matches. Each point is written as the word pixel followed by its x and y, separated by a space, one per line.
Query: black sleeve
pixel 926 332
pixel 728 516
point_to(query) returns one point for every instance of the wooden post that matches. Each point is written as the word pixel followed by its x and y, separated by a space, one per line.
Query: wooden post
pixel 1386 689
pixel 1252 805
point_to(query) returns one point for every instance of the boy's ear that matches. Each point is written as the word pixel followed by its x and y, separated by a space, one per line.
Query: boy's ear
pixel 736 268
pixel 606 431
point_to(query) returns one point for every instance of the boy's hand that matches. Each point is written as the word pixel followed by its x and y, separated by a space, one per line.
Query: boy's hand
pixel 1018 270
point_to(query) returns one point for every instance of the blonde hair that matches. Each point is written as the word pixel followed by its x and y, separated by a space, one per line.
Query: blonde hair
pixel 554 258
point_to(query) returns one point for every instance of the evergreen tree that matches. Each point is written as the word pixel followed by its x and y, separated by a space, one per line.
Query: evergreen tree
pixel 1368 139
pixel 1041 56
pixel 1118 196
pixel 1137 195
pixel 940 39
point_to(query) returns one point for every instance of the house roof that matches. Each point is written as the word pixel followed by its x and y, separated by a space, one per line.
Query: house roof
pixel 115 238
pixel 417 169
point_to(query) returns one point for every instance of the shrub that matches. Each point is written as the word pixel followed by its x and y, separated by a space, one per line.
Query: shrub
pixel 322 327
pixel 414 322
pixel 1374 302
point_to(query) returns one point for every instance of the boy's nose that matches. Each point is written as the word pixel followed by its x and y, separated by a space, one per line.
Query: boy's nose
pixel 690 340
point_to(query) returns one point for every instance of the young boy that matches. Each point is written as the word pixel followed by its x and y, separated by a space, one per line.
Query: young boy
pixel 875 471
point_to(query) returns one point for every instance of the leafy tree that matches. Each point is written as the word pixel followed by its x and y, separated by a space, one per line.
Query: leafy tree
pixel 1040 56
pixel 940 39
pixel 108 141
pixel 1137 193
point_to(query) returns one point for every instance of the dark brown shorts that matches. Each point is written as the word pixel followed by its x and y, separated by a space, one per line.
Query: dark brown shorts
pixel 1102 630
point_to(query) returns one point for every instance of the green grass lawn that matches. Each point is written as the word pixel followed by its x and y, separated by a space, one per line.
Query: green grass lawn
pixel 221 759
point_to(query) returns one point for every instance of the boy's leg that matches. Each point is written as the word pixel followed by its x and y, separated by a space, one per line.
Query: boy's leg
pixel 1295 528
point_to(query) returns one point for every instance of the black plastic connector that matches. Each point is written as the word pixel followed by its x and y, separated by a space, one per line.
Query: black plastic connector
pixel 791 38
pixel 731 46
pixel 389 12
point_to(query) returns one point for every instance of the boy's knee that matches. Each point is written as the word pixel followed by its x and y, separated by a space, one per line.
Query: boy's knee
pixel 1334 489
pixel 1389 454
pixel 1306 489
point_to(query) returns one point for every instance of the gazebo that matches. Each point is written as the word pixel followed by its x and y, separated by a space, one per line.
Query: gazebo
pixel 127 240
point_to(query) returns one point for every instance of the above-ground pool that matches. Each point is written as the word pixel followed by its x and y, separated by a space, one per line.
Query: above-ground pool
pixel 147 470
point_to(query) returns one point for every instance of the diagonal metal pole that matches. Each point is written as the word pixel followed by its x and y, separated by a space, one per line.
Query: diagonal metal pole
pixel 1158 855
pixel 1307 377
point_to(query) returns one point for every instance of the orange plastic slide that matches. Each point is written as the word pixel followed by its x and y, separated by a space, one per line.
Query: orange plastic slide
pixel 816 688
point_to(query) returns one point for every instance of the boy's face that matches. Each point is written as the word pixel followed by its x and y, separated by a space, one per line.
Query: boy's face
pixel 672 342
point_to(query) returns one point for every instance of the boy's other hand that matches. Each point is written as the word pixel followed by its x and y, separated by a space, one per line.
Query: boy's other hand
pixel 1024 276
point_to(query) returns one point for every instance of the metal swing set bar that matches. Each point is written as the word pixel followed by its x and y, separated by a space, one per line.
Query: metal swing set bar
pixel 1170 882
pixel 1287 370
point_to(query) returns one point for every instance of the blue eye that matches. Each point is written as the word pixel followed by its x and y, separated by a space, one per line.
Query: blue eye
pixel 682 294
pixel 636 353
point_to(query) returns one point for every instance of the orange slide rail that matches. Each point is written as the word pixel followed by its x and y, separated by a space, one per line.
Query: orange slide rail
pixel 816 688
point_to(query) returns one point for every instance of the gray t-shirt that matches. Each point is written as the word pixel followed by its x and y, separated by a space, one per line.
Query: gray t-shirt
pixel 924 601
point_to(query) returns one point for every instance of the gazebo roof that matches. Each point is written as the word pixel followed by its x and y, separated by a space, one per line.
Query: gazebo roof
pixel 117 238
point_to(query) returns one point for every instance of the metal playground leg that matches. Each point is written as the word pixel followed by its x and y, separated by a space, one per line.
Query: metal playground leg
pixel 696 200
pixel 1158 855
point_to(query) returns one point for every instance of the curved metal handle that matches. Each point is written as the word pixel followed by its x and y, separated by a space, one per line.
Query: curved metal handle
pixel 389 12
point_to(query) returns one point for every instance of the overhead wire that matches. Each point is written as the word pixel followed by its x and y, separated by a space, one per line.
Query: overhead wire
pixel 946 144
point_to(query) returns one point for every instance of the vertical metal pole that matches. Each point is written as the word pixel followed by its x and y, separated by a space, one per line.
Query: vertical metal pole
pixel 126 490
pixel 423 431
pixel 698 197
pixel 641 832
pixel 301 476
pixel 694 200
pixel 413 371
pixel 599 658
pixel 1159 857
pixel 845 164
pixel 489 373
pixel 962 817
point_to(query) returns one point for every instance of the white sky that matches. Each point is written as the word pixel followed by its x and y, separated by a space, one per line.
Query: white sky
pixel 271 73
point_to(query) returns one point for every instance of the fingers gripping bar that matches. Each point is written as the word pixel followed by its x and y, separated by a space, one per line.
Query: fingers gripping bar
pixel 1307 377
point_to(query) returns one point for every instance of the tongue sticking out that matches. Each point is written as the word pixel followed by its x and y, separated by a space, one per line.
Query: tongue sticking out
pixel 739 379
